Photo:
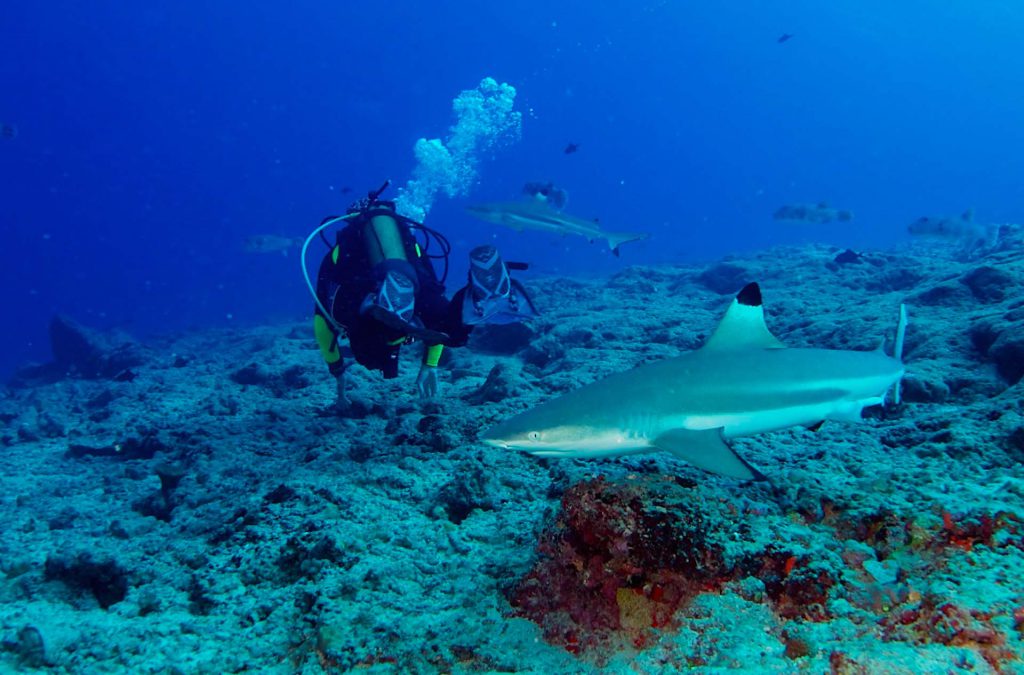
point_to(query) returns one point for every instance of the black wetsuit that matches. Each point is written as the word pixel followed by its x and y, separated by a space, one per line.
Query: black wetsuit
pixel 346 277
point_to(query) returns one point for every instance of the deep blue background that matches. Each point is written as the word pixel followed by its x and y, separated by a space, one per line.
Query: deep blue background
pixel 155 137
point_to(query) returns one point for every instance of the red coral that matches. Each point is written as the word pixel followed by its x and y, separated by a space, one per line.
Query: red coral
pixel 883 530
pixel 797 588
pixel 933 622
pixel 795 647
pixel 966 532
pixel 619 561
pixel 622 558
pixel 840 663
pixel 803 596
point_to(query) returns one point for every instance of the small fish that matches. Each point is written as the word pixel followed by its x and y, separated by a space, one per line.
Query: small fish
pixel 126 375
pixel 848 257
pixel 571 148
pixel 785 37
pixel 345 190
pixel 8 130
pixel 271 243
pixel 819 213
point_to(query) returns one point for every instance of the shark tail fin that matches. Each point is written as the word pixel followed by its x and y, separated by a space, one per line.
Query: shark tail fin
pixel 897 349
pixel 617 239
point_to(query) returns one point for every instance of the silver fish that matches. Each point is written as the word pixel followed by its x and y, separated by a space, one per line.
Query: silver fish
pixel 271 243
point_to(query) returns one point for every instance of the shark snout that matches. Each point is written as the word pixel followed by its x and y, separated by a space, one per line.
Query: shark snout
pixel 491 438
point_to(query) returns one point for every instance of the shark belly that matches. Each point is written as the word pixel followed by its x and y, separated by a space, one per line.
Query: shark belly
pixel 636 433
pixel 749 423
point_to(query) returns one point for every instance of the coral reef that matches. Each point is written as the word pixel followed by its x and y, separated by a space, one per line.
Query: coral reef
pixel 931 621
pixel 620 556
pixel 213 513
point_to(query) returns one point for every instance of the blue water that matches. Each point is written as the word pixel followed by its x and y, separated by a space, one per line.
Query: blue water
pixel 153 138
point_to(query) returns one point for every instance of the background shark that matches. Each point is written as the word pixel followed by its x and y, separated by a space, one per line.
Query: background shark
pixel 537 215
pixel 743 381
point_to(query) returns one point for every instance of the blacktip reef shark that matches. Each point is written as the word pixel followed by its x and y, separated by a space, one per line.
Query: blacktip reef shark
pixel 742 381
pixel 535 214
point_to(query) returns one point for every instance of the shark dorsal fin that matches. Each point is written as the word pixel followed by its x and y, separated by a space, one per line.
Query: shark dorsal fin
pixel 743 325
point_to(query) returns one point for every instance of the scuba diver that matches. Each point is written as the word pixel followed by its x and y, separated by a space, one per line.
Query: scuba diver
pixel 377 286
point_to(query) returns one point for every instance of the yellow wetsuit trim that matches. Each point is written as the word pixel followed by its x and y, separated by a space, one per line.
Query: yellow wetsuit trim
pixel 335 252
pixel 433 356
pixel 326 340
pixel 397 341
pixel 419 253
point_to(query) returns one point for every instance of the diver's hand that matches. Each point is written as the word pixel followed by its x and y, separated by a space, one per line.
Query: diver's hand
pixel 426 381
pixel 343 403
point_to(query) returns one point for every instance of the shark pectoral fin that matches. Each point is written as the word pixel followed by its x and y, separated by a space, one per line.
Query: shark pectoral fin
pixel 706 450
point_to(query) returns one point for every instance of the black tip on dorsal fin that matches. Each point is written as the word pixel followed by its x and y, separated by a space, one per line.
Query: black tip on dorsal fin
pixel 743 326
pixel 750 295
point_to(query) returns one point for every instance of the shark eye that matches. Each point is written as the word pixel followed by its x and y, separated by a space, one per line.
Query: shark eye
pixel 533 436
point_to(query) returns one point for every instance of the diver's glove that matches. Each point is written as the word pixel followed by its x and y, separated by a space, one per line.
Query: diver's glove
pixel 426 381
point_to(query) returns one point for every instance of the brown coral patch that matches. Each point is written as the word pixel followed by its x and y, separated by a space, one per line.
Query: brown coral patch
pixel 618 563
pixel 931 621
